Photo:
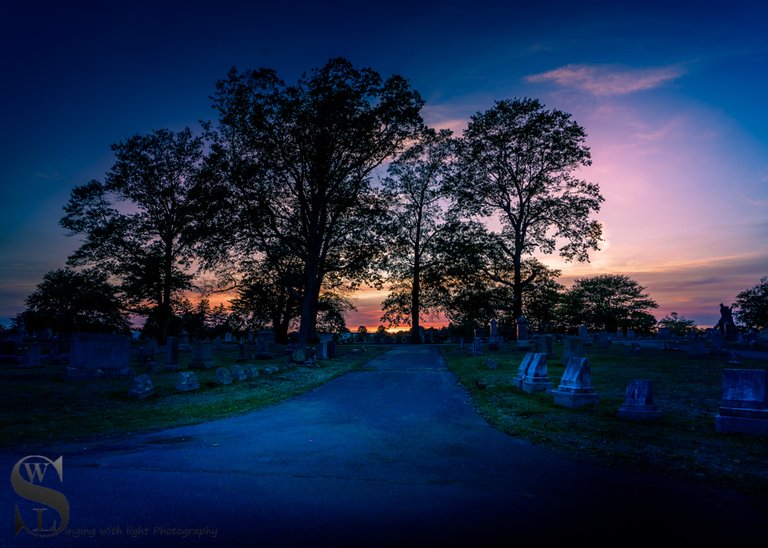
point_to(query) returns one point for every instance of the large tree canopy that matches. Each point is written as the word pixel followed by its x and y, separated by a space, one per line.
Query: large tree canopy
pixel 516 164
pixel 141 224
pixel 608 302
pixel 67 301
pixel 294 163
pixel 752 306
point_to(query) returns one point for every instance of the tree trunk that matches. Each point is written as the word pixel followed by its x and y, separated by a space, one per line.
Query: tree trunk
pixel 415 293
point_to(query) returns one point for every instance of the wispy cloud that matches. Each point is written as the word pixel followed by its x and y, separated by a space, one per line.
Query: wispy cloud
pixel 607 80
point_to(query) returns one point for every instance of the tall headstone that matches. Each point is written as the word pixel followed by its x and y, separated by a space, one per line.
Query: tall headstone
pixel 584 335
pixel 325 339
pixel 522 342
pixel 184 344
pixel 744 405
pixel 575 388
pixel 172 353
pixel 638 402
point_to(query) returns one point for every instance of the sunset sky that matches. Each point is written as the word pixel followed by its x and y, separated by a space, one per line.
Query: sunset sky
pixel 672 96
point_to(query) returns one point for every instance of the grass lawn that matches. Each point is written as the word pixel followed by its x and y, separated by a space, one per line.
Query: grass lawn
pixel 682 443
pixel 40 408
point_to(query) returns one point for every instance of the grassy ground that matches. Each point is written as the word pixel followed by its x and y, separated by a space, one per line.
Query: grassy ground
pixel 682 443
pixel 40 408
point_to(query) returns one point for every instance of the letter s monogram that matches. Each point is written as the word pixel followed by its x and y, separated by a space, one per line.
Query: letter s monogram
pixel 36 466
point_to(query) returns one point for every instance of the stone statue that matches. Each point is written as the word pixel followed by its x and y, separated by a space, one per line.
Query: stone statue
pixel 725 323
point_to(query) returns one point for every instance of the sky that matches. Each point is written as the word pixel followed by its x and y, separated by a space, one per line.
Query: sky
pixel 672 96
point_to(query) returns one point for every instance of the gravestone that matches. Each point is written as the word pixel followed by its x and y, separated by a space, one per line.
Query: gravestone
pixel 638 402
pixel 575 388
pixel 223 376
pixel 141 387
pixel 548 347
pixel 630 333
pixel 202 355
pixel 187 381
pixel 572 348
pixel 241 357
pixel 494 337
pixel 184 341
pixel 228 338
pixel 147 353
pixel 252 371
pixel 522 342
pixel 325 340
pixel 744 405
pixel 32 356
pixel 536 376
pixel 522 369
pixel 584 335
pixel 265 341
pixel 171 353
pixel 98 351
pixel 238 373
pixel 476 348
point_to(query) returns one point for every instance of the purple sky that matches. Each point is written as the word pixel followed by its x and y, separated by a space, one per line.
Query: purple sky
pixel 672 96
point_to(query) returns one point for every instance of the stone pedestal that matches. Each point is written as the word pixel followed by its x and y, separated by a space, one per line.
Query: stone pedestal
pixel 638 403
pixel 744 407
pixel 575 388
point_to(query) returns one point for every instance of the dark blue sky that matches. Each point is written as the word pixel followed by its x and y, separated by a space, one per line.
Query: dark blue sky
pixel 672 95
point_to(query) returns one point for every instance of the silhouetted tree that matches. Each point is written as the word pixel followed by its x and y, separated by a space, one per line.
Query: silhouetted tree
pixel 608 302
pixel 516 163
pixel 294 166
pixel 752 306
pixel 418 228
pixel 678 325
pixel 67 301
pixel 149 242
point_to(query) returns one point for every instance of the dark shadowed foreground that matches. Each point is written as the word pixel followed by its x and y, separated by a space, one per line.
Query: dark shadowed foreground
pixel 390 456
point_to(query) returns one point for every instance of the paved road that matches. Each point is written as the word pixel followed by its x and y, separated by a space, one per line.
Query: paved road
pixel 390 456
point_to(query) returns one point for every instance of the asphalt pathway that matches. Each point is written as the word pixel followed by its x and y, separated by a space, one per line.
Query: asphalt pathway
pixel 393 455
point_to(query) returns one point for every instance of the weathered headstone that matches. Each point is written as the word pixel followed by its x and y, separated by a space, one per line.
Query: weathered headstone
pixel 141 387
pixel 575 389
pixel 238 373
pixel 252 371
pixel 476 348
pixel 744 405
pixel 638 402
pixel 172 353
pixel 187 381
pixel 522 369
pixel 223 376
pixel 536 375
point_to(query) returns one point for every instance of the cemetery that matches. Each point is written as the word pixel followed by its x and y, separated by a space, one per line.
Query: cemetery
pixel 653 405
